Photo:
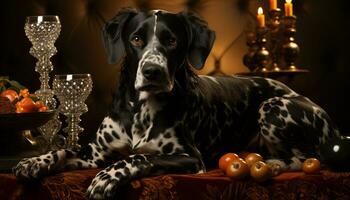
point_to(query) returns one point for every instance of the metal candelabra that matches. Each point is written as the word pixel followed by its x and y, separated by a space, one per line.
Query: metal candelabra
pixel 273 49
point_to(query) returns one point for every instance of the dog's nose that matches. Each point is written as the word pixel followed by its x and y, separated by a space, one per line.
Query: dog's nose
pixel 151 72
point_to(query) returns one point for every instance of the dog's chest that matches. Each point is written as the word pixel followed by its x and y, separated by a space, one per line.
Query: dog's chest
pixel 148 136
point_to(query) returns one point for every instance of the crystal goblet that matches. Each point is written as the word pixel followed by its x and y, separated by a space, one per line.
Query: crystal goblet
pixel 72 90
pixel 42 32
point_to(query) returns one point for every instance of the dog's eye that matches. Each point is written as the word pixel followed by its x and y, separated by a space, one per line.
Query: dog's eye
pixel 136 41
pixel 172 42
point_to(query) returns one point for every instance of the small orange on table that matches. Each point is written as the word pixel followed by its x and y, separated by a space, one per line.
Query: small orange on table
pixel 260 171
pixel 237 169
pixel 252 158
pixel 225 160
pixel 311 166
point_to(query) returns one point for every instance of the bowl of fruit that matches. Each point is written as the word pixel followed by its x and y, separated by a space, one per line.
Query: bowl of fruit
pixel 19 109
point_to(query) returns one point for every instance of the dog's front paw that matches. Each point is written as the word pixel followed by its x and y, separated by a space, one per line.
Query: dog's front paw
pixel 108 181
pixel 104 185
pixel 33 168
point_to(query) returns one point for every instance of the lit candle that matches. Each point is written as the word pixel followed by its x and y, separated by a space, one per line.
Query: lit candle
pixel 273 4
pixel 261 17
pixel 288 8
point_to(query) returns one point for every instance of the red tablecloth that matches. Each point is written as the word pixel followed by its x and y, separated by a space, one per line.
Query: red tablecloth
pixel 211 185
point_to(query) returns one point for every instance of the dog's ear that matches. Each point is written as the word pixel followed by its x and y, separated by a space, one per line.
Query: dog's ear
pixel 112 34
pixel 201 39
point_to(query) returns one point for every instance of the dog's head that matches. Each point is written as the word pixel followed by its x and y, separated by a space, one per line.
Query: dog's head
pixel 156 44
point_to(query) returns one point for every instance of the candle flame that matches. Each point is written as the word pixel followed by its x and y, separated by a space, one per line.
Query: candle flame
pixel 260 11
pixel 288 1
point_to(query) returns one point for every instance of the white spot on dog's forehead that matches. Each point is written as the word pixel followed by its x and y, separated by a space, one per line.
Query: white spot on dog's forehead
pixel 155 25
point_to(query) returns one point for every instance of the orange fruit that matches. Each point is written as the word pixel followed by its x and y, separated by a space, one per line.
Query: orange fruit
pixel 226 159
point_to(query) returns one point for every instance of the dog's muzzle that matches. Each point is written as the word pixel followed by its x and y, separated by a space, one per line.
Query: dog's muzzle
pixel 152 74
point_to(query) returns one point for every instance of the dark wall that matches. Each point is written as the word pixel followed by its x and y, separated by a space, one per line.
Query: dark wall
pixel 322 35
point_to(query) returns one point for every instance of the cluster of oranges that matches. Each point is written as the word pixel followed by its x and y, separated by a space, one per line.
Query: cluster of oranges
pixel 23 102
pixel 253 165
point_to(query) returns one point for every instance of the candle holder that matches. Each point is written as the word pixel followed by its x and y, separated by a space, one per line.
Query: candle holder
pixel 262 55
pixel 248 59
pixel 290 48
pixel 272 50
pixel 274 38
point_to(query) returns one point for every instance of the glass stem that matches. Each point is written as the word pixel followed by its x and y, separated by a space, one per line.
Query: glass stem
pixel 73 129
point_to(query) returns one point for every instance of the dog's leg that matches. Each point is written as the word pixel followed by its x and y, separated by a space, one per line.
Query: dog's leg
pixel 36 167
pixel 106 182
pixel 291 129
pixel 111 140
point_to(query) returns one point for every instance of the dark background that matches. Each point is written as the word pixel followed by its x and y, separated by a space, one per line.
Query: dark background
pixel 322 35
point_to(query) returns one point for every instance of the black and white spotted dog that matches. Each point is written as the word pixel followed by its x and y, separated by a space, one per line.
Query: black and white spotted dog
pixel 166 119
